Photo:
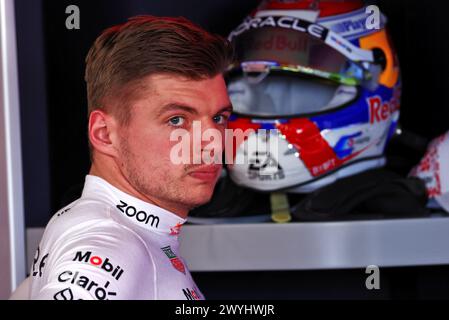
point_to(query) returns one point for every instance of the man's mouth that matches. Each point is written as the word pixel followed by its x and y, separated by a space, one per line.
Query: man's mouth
pixel 207 173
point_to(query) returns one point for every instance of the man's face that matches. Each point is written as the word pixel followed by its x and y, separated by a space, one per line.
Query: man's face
pixel 146 150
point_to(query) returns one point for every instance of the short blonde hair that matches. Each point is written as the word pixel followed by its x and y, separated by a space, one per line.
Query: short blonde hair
pixel 145 45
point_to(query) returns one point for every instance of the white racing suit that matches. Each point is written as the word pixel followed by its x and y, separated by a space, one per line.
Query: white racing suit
pixel 110 245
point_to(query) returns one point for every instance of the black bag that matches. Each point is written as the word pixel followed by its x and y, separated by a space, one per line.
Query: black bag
pixel 376 193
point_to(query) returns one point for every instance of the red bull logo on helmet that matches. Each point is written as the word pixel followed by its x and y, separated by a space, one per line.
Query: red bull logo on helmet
pixel 380 110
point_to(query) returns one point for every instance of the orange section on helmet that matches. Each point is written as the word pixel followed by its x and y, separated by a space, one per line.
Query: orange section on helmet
pixel 390 75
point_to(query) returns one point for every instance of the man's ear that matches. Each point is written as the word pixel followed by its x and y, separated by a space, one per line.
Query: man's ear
pixel 103 133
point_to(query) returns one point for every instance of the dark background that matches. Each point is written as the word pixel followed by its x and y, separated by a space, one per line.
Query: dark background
pixel 54 120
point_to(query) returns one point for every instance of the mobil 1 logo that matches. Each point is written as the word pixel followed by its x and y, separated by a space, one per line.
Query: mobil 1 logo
pixel 97 261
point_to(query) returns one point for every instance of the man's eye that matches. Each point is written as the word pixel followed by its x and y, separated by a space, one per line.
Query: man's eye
pixel 176 121
pixel 220 119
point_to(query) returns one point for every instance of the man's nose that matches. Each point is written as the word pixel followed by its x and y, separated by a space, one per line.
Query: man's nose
pixel 213 135
pixel 208 140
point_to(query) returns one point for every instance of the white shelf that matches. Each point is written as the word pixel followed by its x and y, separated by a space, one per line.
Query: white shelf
pixel 314 246
pixel 308 246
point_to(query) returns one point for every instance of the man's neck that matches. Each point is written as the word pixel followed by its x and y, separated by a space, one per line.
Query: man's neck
pixel 120 182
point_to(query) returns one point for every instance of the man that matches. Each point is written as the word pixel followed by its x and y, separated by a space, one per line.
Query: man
pixel 145 79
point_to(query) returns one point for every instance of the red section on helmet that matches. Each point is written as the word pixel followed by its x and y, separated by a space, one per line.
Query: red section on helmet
pixel 243 124
pixel 326 7
pixel 313 149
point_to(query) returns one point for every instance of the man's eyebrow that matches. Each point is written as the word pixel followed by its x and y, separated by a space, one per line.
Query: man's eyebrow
pixel 175 107
pixel 228 108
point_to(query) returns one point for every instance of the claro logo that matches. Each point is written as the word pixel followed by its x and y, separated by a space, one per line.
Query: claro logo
pixel 97 261
pixel 140 216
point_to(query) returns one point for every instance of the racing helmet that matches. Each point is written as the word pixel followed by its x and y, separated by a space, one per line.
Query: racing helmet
pixel 316 89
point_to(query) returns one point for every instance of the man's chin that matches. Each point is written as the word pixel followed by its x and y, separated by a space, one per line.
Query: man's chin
pixel 199 200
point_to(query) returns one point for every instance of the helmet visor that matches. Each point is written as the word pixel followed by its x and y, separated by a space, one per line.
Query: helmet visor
pixel 286 94
pixel 288 49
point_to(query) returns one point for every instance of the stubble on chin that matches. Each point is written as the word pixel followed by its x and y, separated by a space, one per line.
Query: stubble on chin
pixel 160 182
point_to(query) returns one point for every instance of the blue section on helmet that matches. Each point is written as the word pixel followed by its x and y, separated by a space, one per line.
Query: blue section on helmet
pixel 356 113
pixel 268 126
